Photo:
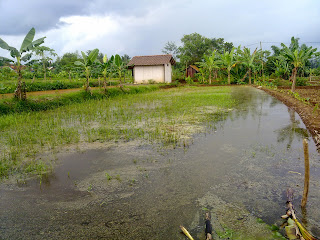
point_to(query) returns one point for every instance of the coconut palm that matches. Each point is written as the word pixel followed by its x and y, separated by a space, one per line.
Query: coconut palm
pixel 297 57
pixel 88 61
pixel 21 55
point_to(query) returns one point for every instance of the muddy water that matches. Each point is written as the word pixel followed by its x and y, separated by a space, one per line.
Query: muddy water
pixel 239 170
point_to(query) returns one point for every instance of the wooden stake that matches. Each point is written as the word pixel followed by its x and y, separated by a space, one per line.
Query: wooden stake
pixel 306 174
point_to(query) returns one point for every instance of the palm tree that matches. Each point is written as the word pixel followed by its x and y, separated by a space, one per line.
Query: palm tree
pixel 297 57
pixel 88 61
pixel 21 55
pixel 247 59
pixel 228 60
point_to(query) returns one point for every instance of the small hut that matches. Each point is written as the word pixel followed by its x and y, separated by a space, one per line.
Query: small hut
pixel 192 70
pixel 155 68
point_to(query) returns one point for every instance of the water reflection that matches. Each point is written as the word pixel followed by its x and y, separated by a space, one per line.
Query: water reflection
pixel 292 130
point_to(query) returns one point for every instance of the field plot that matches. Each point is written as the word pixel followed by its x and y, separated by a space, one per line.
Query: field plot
pixel 141 165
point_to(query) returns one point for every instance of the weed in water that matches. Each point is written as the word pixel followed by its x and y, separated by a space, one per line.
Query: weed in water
pixel 108 177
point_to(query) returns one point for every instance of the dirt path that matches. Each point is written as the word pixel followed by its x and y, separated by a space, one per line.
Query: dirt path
pixel 309 113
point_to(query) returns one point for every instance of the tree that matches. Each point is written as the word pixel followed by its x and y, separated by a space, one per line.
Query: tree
pixel 43 53
pixel 210 63
pixel 66 63
pixel 170 48
pixel 27 45
pixel 229 61
pixel 219 45
pixel 297 57
pixel 107 69
pixel 125 59
pixel 246 59
pixel 88 61
pixel 120 67
pixel 194 47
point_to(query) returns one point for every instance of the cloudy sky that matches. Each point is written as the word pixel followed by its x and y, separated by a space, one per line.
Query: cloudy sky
pixel 142 27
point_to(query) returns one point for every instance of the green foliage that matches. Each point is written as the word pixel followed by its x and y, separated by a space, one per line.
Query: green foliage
pixel 6 73
pixel 189 80
pixel 195 46
pixel 171 48
pixel 27 45
pixel 302 81
pixel 86 63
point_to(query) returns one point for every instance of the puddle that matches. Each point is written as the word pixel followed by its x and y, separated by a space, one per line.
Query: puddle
pixel 239 170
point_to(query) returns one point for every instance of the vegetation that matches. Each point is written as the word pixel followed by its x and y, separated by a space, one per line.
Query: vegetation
pixel 297 57
pixel 27 45
pixel 166 117
pixel 237 65
pixel 87 63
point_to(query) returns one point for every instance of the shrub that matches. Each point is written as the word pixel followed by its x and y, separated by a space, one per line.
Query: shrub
pixel 301 81
pixel 189 80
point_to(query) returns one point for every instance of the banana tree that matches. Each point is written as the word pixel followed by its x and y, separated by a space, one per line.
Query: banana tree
pixel 311 72
pixel 42 52
pixel 87 63
pixel 120 67
pixel 228 60
pixel 247 60
pixel 282 68
pixel 210 63
pixel 107 68
pixel 21 55
pixel 297 57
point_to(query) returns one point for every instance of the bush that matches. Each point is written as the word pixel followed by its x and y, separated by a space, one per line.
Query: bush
pixel 189 80
pixel 301 81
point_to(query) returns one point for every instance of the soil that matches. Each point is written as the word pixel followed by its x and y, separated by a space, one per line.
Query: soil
pixel 308 107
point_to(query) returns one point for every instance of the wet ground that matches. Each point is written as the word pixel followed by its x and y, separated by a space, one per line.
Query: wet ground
pixel 239 170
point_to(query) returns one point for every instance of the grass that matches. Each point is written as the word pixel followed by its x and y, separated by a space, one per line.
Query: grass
pixel 166 117
pixel 47 102
pixel 9 86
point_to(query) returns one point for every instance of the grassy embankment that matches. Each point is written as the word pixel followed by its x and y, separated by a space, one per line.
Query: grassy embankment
pixel 167 117
pixel 43 85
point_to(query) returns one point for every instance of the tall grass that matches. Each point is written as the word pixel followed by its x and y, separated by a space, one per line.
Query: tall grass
pixel 166 117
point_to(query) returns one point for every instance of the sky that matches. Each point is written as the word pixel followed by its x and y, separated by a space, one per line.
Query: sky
pixel 143 27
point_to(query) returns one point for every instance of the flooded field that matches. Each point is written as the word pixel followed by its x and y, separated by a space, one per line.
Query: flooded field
pixel 239 170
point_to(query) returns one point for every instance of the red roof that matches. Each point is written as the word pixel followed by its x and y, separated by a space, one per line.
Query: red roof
pixel 151 60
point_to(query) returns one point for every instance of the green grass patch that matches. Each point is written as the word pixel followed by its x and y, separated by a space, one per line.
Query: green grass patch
pixel 45 85
pixel 166 117
pixel 47 102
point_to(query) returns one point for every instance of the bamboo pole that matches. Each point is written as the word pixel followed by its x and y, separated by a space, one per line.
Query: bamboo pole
pixel 306 174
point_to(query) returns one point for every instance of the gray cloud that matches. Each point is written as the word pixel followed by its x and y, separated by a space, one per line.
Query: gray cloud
pixel 144 26
pixel 17 17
